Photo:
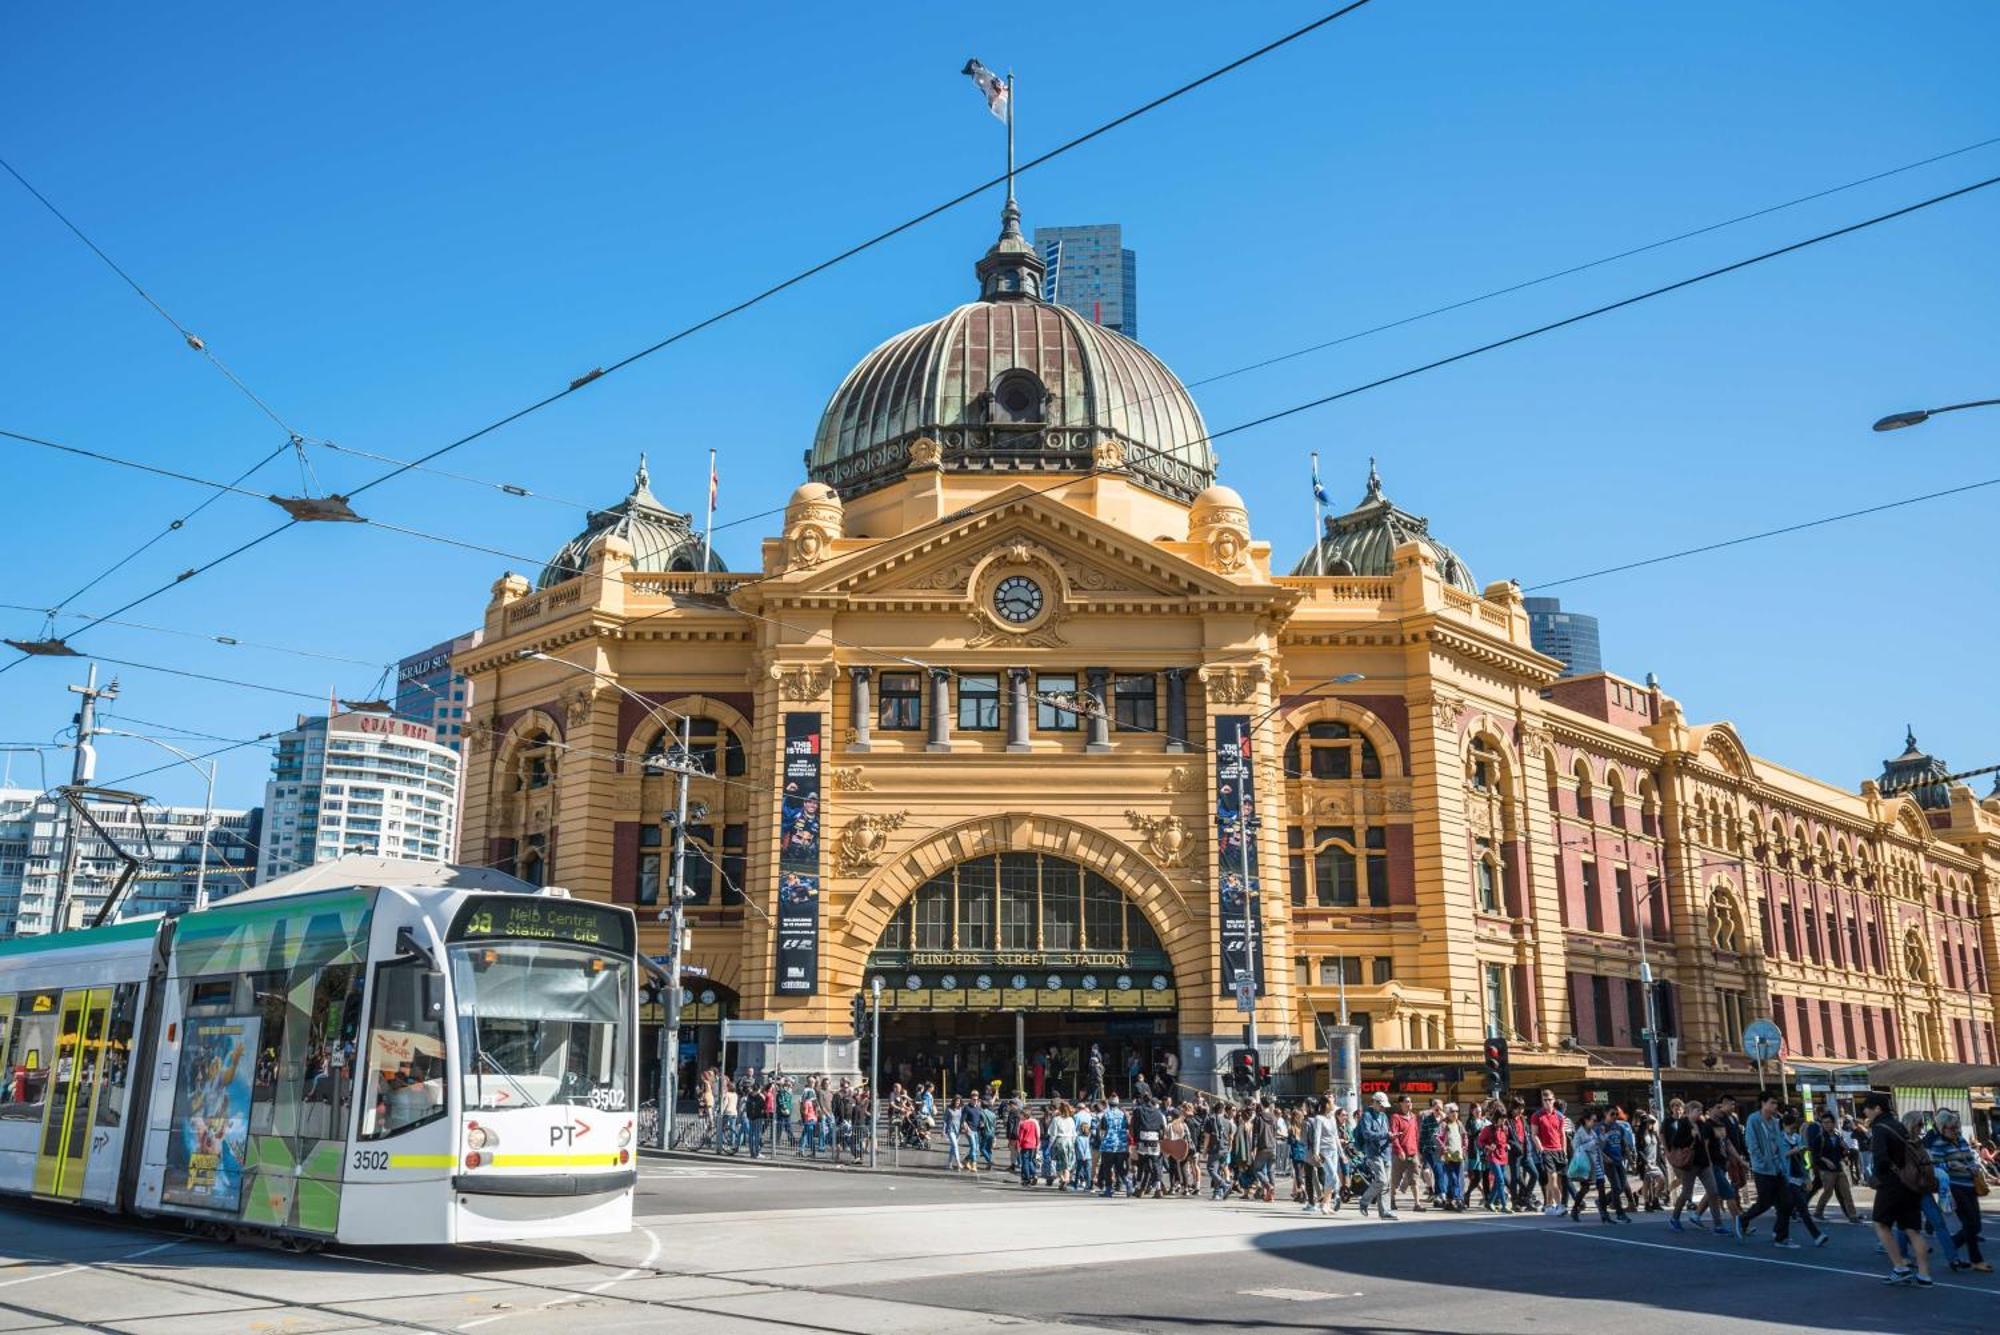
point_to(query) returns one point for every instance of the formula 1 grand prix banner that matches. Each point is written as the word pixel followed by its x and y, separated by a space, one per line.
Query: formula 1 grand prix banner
pixel 799 859
pixel 1236 854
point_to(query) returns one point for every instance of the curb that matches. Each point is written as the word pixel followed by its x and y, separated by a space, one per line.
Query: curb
pixel 816 1165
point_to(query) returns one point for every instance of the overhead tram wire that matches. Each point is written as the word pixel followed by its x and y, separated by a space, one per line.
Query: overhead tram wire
pixel 973 511
pixel 514 489
pixel 231 641
pixel 1137 451
pixel 774 289
pixel 192 340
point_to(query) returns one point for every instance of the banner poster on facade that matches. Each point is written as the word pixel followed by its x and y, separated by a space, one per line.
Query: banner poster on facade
pixel 211 1126
pixel 1236 854
pixel 799 860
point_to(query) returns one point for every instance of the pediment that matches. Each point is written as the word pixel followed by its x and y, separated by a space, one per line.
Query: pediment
pixel 1093 561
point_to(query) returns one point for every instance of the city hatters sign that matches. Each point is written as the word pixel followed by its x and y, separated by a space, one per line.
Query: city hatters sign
pixel 1236 855
pixel 799 859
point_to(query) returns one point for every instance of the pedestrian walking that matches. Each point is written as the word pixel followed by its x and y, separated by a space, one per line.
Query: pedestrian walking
pixel 1966 1183
pixel 1902 1178
pixel 1832 1155
pixel 1371 1137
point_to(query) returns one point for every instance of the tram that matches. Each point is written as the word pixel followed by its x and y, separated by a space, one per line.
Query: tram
pixel 370 1051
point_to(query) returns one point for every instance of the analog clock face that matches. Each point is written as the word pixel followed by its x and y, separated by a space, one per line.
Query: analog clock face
pixel 1018 599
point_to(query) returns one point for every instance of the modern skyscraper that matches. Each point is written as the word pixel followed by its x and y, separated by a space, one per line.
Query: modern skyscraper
pixel 428 691
pixel 1570 636
pixel 31 850
pixel 1089 270
pixel 365 783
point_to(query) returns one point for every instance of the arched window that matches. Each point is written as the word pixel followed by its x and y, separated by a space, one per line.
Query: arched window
pixel 1586 802
pixel 1649 809
pixel 531 865
pixel 1331 750
pixel 534 761
pixel 705 737
pixel 1915 962
pixel 1617 800
pixel 1332 870
pixel 1021 903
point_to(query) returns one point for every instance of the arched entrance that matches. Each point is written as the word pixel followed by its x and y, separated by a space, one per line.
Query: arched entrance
pixel 1006 969
pixel 705 1004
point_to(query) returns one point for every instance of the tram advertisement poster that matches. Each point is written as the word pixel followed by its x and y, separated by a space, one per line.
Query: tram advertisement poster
pixel 799 859
pixel 211 1127
pixel 1236 854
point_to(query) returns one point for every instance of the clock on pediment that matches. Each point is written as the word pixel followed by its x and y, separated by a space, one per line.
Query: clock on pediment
pixel 1017 599
pixel 1017 593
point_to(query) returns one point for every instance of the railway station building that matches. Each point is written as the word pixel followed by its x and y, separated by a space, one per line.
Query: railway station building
pixel 1020 715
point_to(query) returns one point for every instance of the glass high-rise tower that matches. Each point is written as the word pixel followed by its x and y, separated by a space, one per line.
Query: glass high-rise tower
pixel 1570 636
pixel 1090 271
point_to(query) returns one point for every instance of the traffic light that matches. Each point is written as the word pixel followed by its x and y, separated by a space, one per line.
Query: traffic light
pixel 1263 1077
pixel 1244 1070
pixel 860 1016
pixel 1496 1065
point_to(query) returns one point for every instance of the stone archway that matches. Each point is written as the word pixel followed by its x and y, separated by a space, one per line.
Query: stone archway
pixel 1181 928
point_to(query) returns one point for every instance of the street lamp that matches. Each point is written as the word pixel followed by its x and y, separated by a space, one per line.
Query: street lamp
pixel 1918 416
pixel 207 806
pixel 681 765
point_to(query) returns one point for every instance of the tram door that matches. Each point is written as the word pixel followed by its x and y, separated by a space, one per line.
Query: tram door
pixel 71 1106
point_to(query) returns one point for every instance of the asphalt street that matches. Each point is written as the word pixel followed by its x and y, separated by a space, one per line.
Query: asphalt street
pixel 721 1247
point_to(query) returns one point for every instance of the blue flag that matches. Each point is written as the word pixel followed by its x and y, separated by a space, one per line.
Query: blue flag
pixel 1319 492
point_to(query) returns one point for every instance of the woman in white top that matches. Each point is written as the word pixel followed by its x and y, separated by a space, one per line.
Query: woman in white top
pixel 1062 1141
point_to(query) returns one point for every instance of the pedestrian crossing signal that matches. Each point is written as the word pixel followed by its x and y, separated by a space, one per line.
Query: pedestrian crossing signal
pixel 860 1016
pixel 1496 1064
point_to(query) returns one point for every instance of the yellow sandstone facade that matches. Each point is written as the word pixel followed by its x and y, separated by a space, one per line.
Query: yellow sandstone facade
pixel 998 655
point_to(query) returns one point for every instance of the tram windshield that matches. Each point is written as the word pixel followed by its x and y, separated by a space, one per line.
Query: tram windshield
pixel 542 1023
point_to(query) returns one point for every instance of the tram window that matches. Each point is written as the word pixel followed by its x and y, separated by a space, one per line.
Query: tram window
pixel 267 996
pixel 327 1062
pixel 406 1056
pixel 31 1050
pixel 117 1059
pixel 214 992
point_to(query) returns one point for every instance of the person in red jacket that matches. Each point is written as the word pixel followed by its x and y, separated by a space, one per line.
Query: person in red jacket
pixel 1028 1147
pixel 1496 1144
pixel 1403 1159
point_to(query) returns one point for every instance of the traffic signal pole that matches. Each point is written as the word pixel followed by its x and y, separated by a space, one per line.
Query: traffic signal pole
pixel 670 1032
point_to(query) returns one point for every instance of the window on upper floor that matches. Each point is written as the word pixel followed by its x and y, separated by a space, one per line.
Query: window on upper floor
pixel 1331 750
pixel 1486 877
pixel 901 708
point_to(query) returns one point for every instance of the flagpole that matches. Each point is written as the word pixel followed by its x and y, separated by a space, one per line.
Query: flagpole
pixel 708 528
pixel 1010 136
pixel 1319 521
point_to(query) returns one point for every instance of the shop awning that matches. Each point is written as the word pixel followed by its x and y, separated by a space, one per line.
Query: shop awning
pixel 1907 1074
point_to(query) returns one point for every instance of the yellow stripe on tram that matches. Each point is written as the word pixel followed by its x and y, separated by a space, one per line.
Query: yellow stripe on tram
pixel 553 1160
pixel 420 1161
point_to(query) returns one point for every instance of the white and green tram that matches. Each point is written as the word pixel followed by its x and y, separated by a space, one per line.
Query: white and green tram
pixel 371 1051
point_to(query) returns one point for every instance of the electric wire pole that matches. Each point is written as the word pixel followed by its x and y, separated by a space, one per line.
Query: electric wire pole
pixel 83 768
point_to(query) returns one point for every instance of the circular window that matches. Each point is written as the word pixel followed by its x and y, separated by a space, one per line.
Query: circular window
pixel 1018 398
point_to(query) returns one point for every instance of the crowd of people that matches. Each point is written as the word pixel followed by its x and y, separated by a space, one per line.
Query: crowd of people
pixel 1716 1165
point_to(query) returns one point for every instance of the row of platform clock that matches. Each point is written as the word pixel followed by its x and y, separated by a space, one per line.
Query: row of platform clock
pixel 1019 982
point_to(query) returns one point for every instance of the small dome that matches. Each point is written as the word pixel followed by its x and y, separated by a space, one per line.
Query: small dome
pixel 661 539
pixel 1011 383
pixel 1364 540
pixel 1918 774
pixel 1218 497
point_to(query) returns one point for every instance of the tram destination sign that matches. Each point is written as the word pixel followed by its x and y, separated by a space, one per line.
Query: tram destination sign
pixel 521 918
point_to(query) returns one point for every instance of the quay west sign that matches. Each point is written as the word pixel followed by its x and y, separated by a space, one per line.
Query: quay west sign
pixel 1027 959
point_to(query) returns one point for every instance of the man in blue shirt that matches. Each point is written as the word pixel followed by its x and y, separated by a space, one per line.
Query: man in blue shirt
pixel 1114 1149
pixel 1371 1135
pixel 1766 1141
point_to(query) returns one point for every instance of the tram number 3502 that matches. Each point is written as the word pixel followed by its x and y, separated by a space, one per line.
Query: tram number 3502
pixel 373 1160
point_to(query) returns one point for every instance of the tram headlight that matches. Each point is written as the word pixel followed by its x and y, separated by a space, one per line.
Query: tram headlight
pixel 624 1135
pixel 480 1138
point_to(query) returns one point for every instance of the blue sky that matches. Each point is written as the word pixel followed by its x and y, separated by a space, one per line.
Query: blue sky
pixel 397 223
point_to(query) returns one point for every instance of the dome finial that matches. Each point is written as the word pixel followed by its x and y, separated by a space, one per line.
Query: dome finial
pixel 641 479
pixel 1909 738
pixel 1012 269
pixel 1374 482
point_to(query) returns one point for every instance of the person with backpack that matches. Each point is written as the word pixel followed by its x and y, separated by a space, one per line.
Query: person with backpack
pixel 1149 1125
pixel 1902 1178
pixel 757 1115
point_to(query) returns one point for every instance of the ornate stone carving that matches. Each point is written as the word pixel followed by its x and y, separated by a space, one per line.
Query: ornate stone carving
pixel 1182 779
pixel 1535 737
pixel 1168 838
pixel 577 705
pixel 1333 806
pixel 1397 798
pixel 1221 526
pixel 1446 706
pixel 926 453
pixel 1479 816
pixel 865 840
pixel 479 735
pixel 1044 636
pixel 814 517
pixel 1234 685
pixel 1108 455
pixel 802 684
pixel 850 779
pixel 952 576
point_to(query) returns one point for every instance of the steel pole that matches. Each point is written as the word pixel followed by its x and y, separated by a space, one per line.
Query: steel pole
pixel 668 1077
pixel 207 823
pixel 1652 1019
pixel 874 1067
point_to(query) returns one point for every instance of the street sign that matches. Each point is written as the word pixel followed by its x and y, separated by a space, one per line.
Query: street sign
pixel 1762 1041
pixel 1246 995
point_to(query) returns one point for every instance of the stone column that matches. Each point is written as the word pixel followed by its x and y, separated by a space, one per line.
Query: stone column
pixel 1018 709
pixel 1099 720
pixel 940 738
pixel 1177 710
pixel 860 707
